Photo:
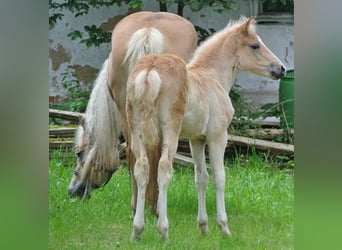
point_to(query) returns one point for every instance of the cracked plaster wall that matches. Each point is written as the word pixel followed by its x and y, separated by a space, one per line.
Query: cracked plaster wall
pixel 66 54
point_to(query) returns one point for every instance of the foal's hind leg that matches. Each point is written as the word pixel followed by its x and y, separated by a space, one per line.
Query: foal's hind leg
pixel 216 155
pixel 141 174
pixel 165 172
pixel 201 180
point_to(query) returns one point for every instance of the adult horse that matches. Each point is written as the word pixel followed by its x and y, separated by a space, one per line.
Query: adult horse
pixel 96 142
pixel 168 99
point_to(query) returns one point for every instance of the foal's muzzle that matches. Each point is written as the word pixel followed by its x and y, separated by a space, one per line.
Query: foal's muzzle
pixel 277 71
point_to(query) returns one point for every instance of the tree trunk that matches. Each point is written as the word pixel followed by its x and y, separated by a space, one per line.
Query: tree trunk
pixel 180 8
pixel 162 7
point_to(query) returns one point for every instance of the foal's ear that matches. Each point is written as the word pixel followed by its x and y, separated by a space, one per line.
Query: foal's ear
pixel 248 25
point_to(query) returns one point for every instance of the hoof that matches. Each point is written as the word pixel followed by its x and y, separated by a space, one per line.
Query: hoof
pixel 136 234
pixel 164 234
pixel 203 226
pixel 225 231
pixel 224 228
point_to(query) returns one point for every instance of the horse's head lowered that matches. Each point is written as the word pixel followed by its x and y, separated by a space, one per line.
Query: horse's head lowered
pixel 253 55
pixel 94 167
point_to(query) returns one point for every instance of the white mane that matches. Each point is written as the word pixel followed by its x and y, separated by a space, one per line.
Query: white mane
pixel 102 121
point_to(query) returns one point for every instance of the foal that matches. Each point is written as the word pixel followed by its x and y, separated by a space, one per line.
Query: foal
pixel 167 99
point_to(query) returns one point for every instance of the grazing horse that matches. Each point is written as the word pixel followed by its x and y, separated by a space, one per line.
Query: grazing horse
pixel 96 142
pixel 168 99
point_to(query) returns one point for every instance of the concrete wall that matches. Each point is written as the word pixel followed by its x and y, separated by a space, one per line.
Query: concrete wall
pixel 66 54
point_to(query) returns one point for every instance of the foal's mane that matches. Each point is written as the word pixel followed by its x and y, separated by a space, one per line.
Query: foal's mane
pixel 232 24
pixel 101 122
pixel 233 27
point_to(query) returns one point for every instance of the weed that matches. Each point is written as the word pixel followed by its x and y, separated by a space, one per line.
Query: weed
pixel 76 98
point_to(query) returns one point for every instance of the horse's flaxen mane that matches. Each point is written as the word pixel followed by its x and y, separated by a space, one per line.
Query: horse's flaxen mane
pixel 101 122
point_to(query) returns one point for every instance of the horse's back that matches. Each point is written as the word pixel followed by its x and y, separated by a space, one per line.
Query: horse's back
pixel 173 28
pixel 179 37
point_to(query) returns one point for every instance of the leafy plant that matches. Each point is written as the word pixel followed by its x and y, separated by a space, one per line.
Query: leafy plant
pixel 76 98
pixel 284 5
pixel 203 34
pixel 95 36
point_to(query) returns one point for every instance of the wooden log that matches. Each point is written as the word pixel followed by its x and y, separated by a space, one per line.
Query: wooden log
pixel 275 147
pixel 183 160
pixel 66 115
pixel 268 133
pixel 62 132
pixel 264 122
pixel 61 144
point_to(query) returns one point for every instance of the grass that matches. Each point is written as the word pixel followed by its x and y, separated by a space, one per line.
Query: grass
pixel 259 202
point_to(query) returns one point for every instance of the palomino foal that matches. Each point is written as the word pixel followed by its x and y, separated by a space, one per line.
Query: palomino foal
pixel 167 99
pixel 97 141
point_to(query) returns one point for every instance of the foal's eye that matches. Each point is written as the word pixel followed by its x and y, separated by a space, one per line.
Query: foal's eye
pixel 254 46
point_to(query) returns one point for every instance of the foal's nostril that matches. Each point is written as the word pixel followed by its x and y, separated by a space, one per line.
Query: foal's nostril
pixel 282 69
pixel 76 172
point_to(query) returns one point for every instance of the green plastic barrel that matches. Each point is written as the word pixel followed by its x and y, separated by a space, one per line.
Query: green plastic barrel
pixel 286 100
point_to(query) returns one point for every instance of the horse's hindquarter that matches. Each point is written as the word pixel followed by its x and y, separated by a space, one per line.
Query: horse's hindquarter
pixel 171 26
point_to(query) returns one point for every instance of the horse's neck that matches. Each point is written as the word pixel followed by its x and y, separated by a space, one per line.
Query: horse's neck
pixel 219 62
pixel 225 74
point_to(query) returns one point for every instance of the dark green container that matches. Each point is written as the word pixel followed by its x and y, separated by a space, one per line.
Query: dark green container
pixel 286 100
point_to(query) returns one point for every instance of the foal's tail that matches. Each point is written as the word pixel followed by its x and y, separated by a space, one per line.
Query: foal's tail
pixel 142 99
pixel 143 42
pixel 147 87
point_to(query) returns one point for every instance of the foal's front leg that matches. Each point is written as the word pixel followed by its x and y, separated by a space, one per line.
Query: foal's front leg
pixel 216 155
pixel 201 180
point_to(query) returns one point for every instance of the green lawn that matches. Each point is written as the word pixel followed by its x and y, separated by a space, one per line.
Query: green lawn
pixel 259 202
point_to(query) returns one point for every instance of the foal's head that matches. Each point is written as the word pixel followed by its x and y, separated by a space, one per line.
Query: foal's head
pixel 91 171
pixel 252 54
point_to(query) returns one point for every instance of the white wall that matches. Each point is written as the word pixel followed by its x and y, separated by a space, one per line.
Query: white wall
pixel 66 53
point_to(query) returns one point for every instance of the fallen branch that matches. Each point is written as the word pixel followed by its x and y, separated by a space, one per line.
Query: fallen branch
pixel 62 132
pixel 183 160
pixel 66 115
pixel 61 144
pixel 268 133
pixel 275 147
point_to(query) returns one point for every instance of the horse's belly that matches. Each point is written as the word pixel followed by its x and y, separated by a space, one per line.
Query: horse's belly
pixel 193 126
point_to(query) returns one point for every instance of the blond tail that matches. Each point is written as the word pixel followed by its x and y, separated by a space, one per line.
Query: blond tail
pixel 143 42
pixel 147 87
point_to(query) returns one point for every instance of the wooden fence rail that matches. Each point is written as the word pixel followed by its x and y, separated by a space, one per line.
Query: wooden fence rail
pixel 64 137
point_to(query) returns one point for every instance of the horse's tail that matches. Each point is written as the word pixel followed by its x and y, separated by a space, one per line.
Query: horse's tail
pixel 143 42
